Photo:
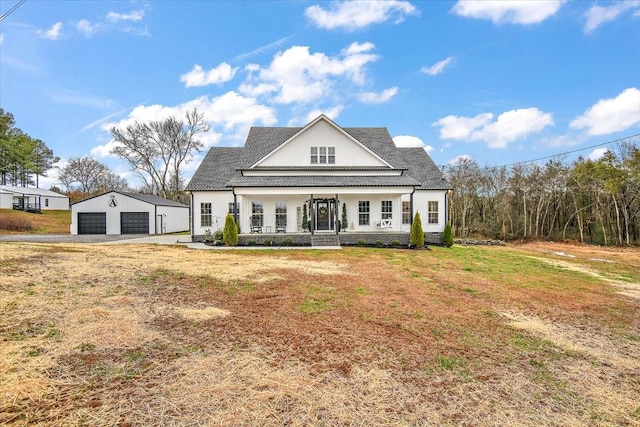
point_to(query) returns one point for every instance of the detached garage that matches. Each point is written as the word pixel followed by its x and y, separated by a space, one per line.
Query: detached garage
pixel 118 212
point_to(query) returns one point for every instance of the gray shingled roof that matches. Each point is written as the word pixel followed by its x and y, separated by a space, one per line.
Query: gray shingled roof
pixel 218 167
pixel 147 198
pixel 151 199
pixel 421 167
pixel 324 181
pixel 221 168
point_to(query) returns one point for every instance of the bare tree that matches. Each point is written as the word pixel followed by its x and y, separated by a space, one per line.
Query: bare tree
pixel 89 176
pixel 157 150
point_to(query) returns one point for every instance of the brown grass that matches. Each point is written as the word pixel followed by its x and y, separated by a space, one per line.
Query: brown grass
pixel 146 335
pixel 48 222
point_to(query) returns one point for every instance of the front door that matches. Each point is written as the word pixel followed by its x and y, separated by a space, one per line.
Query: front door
pixel 325 215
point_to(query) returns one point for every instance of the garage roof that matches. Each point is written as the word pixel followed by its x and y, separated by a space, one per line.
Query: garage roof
pixel 147 198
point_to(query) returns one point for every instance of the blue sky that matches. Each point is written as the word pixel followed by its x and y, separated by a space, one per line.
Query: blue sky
pixel 497 81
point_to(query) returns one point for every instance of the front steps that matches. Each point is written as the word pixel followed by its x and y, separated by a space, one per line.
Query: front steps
pixel 319 240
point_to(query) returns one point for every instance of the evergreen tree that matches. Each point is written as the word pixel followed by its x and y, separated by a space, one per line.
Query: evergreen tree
pixel 344 222
pixel 447 236
pixel 417 235
pixel 230 231
pixel 305 218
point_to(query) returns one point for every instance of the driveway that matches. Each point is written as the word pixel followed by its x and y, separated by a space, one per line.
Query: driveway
pixel 95 238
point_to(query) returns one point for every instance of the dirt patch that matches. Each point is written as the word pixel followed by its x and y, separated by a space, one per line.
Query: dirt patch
pixel 147 335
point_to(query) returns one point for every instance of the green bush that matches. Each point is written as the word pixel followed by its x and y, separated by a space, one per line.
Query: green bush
pixel 447 236
pixel 344 222
pixel 251 243
pixel 218 235
pixel 361 243
pixel 417 235
pixel 230 231
pixel 379 243
pixel 395 243
pixel 287 242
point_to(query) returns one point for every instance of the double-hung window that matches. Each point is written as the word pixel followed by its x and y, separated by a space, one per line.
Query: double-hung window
pixel 387 209
pixel 406 212
pixel 432 212
pixel 232 206
pixel 257 212
pixel 363 212
pixel 205 214
pixel 314 155
pixel 281 215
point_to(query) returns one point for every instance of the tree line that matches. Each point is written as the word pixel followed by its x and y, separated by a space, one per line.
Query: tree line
pixel 591 201
pixel 23 159
pixel 155 151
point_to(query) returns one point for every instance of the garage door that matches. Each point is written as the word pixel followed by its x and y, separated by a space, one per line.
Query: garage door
pixel 92 223
pixel 134 222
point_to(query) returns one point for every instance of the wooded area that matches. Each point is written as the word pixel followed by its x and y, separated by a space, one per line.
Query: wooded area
pixel 23 159
pixel 589 201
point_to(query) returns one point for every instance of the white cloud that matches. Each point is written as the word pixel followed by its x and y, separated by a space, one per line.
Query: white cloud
pixel 230 116
pixel 199 77
pixel 332 113
pixel 298 76
pixel 598 15
pixel 354 15
pixel 597 154
pixel 54 33
pixel 135 15
pixel 378 98
pixel 506 128
pixel 87 28
pixel 411 142
pixel 524 12
pixel 438 67
pixel 611 115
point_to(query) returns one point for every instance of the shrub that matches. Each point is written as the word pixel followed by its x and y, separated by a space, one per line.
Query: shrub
pixel 218 235
pixel 395 243
pixel 287 242
pixel 417 235
pixel 208 237
pixel 379 243
pixel 230 231
pixel 268 243
pixel 447 236
pixel 305 218
pixel 251 243
pixel 15 224
pixel 361 243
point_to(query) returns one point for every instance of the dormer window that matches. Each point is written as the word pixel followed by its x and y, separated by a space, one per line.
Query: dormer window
pixel 323 155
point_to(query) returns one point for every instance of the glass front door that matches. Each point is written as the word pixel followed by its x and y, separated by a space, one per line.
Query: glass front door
pixel 325 215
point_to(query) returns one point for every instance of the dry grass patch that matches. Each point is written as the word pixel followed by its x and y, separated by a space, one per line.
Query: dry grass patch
pixel 148 335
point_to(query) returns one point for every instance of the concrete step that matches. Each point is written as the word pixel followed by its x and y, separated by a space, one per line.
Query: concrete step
pixel 325 240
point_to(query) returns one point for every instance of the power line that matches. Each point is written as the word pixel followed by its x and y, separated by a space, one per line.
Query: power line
pixel 564 152
pixel 13 9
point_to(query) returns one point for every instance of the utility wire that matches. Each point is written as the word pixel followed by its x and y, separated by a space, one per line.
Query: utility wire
pixel 563 153
pixel 13 9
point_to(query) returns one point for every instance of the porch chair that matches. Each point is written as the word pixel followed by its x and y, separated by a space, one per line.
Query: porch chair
pixel 385 223
pixel 256 227
pixel 281 226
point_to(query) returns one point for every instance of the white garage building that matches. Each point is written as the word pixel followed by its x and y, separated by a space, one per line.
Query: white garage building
pixel 118 212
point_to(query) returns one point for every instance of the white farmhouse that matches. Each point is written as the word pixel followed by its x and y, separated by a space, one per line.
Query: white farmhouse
pixel 325 171
pixel 31 199
pixel 119 212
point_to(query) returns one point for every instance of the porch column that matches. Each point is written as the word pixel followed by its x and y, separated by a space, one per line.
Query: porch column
pixel 311 214
pixel 235 207
pixel 335 215
pixel 411 209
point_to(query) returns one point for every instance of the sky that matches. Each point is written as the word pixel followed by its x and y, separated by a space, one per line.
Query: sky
pixel 499 82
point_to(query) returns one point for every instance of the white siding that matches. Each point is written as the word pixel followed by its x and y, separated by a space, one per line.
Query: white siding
pixel 172 219
pixel 219 208
pixel 421 198
pixel 297 152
